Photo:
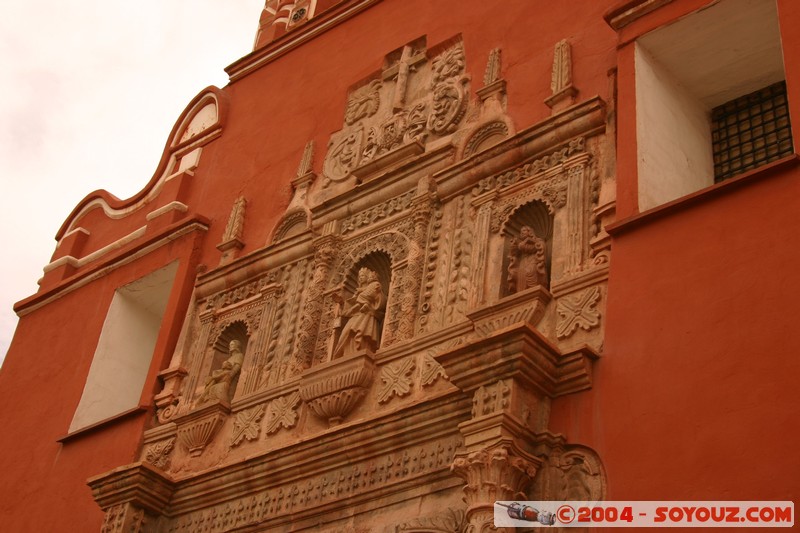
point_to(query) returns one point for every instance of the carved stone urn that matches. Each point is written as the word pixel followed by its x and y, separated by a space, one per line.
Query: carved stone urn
pixel 334 388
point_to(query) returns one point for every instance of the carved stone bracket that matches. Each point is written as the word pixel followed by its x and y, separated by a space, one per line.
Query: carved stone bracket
pixel 526 306
pixel 197 428
pixel 168 399
pixel 334 388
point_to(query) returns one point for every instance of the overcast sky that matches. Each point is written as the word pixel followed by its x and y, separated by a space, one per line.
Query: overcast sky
pixel 89 91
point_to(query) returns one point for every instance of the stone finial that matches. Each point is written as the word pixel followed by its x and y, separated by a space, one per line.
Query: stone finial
pixel 232 237
pixel 307 161
pixel 492 73
pixel 561 80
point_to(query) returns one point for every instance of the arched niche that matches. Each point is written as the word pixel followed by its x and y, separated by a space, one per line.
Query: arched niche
pixel 380 264
pixel 536 216
pixel 291 224
pixel 235 331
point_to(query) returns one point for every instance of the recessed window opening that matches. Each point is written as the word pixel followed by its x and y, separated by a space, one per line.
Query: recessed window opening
pixel 684 72
pixel 125 348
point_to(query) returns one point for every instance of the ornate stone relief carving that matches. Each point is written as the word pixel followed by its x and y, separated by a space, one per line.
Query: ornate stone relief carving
pixel 526 264
pixel 247 425
pixel 578 311
pixel 396 379
pixel 387 117
pixel 158 454
pixel 363 103
pixel 344 156
pixel 282 413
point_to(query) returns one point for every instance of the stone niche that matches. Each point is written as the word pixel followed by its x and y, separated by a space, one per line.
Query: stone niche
pixel 422 302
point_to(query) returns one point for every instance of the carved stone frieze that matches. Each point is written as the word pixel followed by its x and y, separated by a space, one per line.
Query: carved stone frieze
pixel 398 204
pixel 124 518
pixel 396 379
pixel 578 311
pixel 282 413
pixel 531 169
pixel 354 480
pixel 247 425
pixel 158 453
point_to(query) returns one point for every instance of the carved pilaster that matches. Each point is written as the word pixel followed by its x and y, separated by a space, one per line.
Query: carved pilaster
pixel 499 472
pixel 480 239
pixel 324 256
pixel 577 215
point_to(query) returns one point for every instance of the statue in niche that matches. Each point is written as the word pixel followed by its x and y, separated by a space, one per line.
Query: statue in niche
pixel 526 261
pixel 218 383
pixel 363 312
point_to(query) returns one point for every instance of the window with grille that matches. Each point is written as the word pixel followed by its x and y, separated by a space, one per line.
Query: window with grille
pixel 750 131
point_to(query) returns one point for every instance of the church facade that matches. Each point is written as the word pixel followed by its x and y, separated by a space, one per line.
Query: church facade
pixel 417 257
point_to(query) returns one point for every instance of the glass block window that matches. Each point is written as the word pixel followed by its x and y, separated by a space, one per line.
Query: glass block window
pixel 750 131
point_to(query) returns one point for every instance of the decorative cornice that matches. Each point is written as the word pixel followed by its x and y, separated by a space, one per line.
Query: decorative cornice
pixel 628 11
pixel 121 258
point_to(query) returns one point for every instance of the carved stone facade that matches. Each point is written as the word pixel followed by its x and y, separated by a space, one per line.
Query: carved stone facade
pixel 405 269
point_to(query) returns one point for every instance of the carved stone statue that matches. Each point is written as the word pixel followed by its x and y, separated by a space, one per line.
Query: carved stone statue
pixel 526 266
pixel 363 311
pixel 218 383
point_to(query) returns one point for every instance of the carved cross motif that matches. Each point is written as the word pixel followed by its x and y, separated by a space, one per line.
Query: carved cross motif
pixel 577 311
pixel 282 413
pixel 396 379
pixel 247 424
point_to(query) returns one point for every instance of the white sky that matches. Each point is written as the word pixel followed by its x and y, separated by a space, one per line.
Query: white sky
pixel 89 91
